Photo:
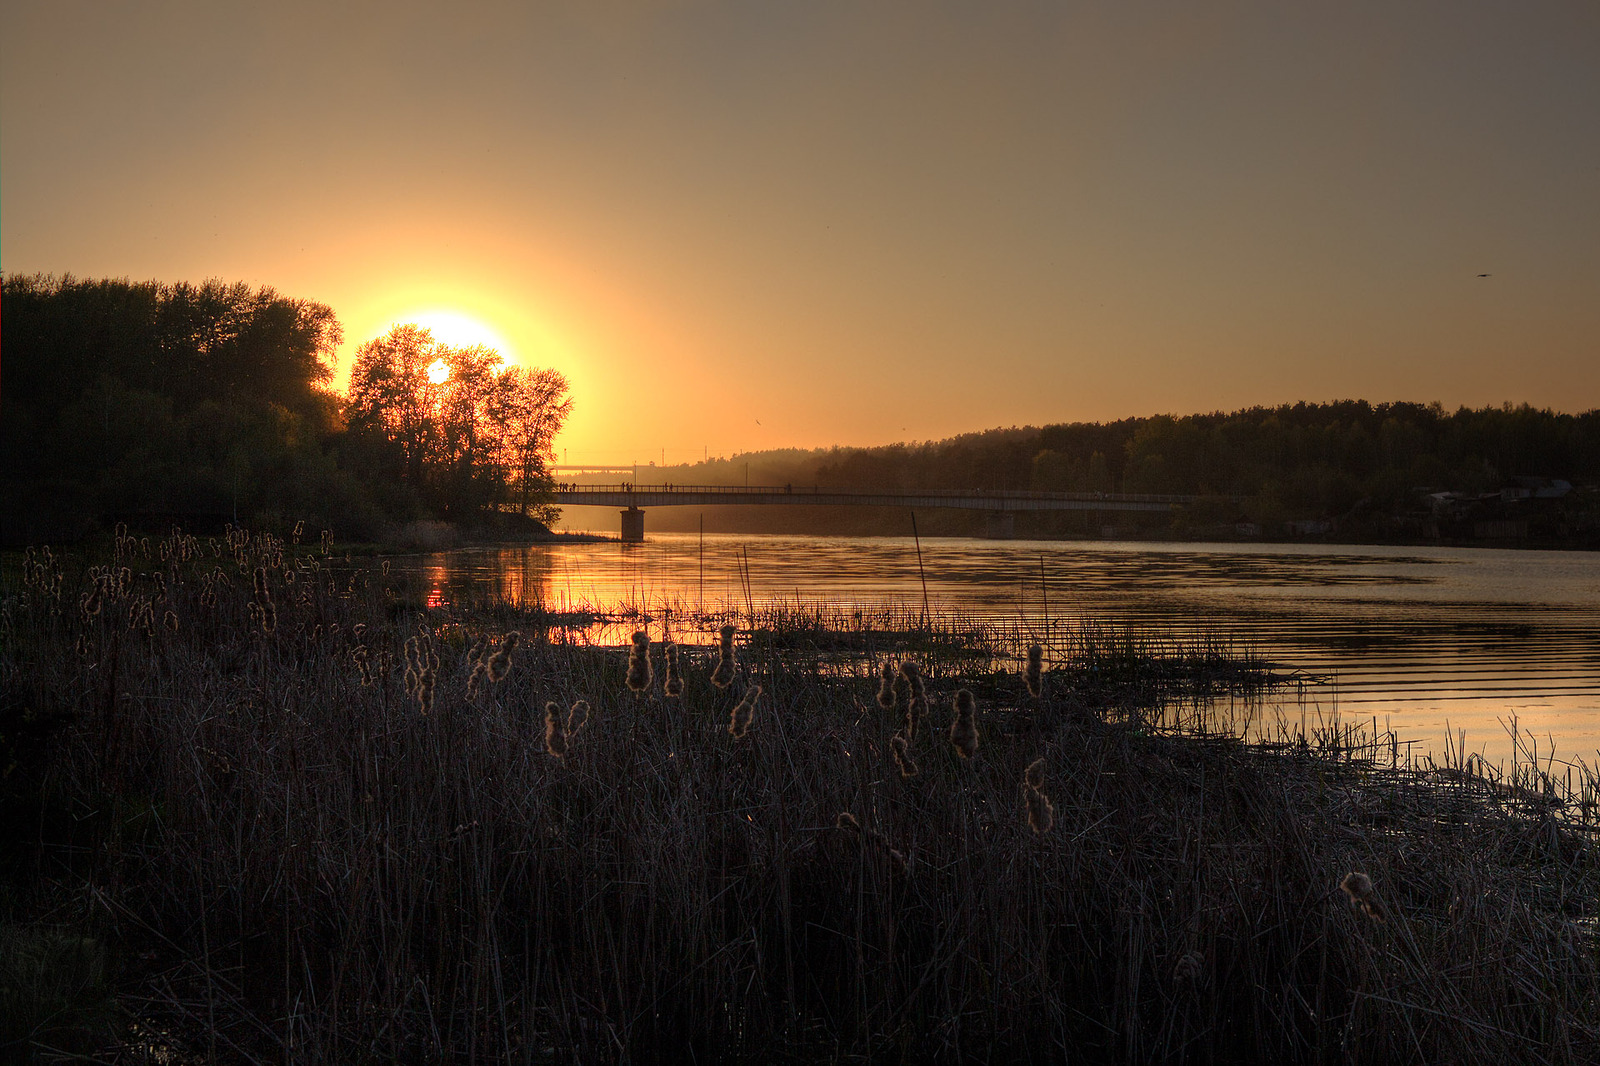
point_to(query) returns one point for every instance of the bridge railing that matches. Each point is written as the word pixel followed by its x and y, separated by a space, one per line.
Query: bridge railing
pixel 572 490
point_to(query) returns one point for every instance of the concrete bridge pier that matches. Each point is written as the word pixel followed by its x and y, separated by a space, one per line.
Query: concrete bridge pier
pixel 632 526
pixel 999 525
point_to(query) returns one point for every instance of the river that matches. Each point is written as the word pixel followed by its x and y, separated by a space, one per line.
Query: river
pixel 1444 645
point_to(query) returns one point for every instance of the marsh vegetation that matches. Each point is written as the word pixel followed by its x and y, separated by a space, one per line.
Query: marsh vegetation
pixel 262 806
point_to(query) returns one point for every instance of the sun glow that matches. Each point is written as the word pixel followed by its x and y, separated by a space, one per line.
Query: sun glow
pixel 439 372
pixel 459 331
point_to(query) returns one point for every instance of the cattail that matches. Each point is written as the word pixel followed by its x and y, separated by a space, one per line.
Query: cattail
pixel 425 686
pixel 1188 967
pixel 640 674
pixel 413 667
pixel 1358 886
pixel 1033 776
pixel 555 733
pixel 964 730
pixel 723 674
pixel 170 620
pixel 847 822
pixel 84 647
pixel 739 721
pixel 577 717
pixel 263 599
pixel 1041 815
pixel 886 687
pixel 500 661
pixel 475 682
pixel 674 683
pixel 916 698
pixel 475 653
pixel 1034 676
pixel 902 756
pixel 363 659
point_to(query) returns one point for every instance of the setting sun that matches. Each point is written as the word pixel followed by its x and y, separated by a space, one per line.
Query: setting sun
pixel 439 372
pixel 458 331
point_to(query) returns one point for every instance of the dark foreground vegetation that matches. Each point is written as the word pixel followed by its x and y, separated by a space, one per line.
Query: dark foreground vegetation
pixel 260 808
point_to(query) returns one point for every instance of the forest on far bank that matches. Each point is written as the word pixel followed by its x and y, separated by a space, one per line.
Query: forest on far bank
pixel 161 404
pixel 1350 468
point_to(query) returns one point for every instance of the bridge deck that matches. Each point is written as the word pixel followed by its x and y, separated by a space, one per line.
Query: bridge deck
pixel 627 495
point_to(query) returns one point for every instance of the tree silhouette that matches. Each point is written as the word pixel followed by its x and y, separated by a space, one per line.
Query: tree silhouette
pixel 476 441
pixel 534 406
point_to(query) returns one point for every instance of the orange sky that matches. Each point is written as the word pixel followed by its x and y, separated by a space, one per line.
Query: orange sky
pixel 739 226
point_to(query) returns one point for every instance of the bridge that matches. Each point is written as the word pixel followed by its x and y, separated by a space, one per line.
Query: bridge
pixel 999 506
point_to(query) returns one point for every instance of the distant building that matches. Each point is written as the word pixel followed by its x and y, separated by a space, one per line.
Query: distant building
pixel 1536 488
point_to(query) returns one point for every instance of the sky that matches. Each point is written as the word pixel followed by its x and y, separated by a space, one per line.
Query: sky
pixel 746 225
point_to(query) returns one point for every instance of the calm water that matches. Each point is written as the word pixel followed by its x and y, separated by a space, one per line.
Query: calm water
pixel 1430 641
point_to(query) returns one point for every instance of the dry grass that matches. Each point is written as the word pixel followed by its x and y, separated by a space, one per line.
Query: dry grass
pixel 295 864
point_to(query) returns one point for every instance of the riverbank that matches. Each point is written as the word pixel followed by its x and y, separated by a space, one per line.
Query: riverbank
pixel 502 530
pixel 257 804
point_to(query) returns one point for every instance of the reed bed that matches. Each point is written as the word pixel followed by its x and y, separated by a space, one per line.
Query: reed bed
pixel 251 843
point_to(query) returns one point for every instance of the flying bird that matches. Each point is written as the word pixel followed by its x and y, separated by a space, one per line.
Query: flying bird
pixel 1485 275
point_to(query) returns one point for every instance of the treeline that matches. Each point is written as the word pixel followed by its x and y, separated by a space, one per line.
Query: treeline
pixel 211 402
pixel 1263 465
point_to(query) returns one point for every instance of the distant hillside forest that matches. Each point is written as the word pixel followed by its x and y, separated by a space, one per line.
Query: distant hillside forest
pixel 202 404
pixel 1348 470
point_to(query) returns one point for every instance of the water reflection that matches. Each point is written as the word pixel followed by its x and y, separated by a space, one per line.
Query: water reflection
pixel 1433 641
